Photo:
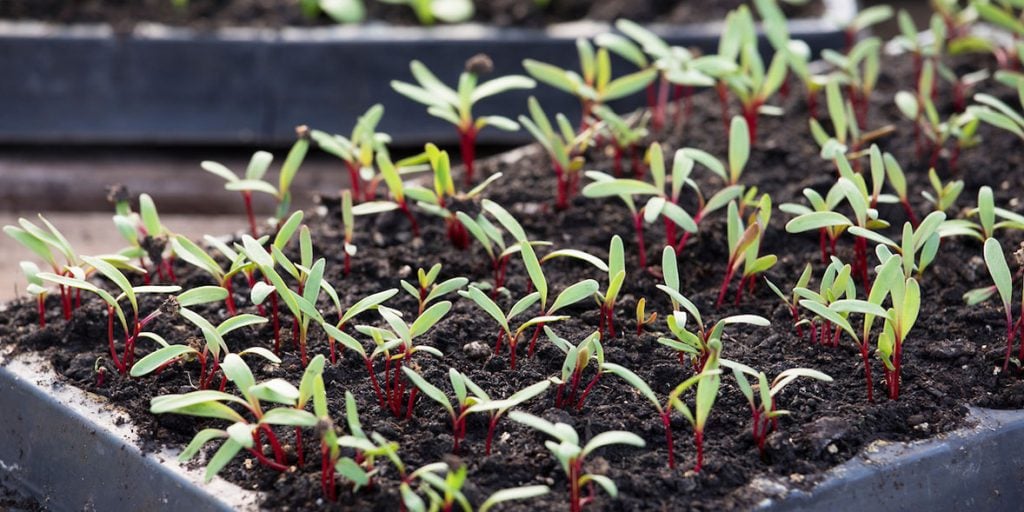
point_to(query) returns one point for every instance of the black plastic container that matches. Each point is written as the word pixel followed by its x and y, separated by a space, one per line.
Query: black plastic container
pixel 164 85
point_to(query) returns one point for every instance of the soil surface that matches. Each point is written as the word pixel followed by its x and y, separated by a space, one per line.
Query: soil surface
pixel 277 13
pixel 951 357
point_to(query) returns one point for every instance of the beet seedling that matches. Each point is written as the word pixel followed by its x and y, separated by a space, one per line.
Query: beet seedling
pixel 401 338
pixel 792 301
pixel 358 150
pixel 836 284
pixel 753 85
pixel 959 127
pixel 430 11
pixel 625 137
pixel 253 180
pixel 697 345
pixel 188 251
pixel 745 246
pixel 516 493
pixel 865 19
pixel 858 69
pixel 564 147
pixel 44 243
pixel 572 457
pixel 616 269
pixel 763 407
pixel 144 231
pixel 848 137
pixel 905 295
pixel 490 237
pixel 36 289
pixel 456 107
pixel 995 112
pixel 945 194
pixel 595 86
pixel 1003 284
pixel 466 395
pixel 642 318
pixel 131 331
pixel 442 200
pixel 664 410
pixel 577 359
pixel 497 408
pixel 426 291
pixel 242 433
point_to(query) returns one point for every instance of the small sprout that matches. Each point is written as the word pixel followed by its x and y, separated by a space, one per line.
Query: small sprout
pixel 401 338
pixel 242 433
pixel 44 244
pixel 253 180
pixel 426 291
pixel 335 332
pixel 358 151
pixel 745 246
pixel 754 85
pixel 572 457
pixel 595 86
pixel 849 137
pixel 625 138
pixel 497 408
pixel 456 106
pixel 995 112
pixel 664 411
pixel 467 394
pixel 131 331
pixel 1003 284
pixel 430 11
pixel 697 345
pixel 792 301
pixel 36 287
pixel 945 194
pixel 763 407
pixel 577 358
pixel 193 254
pixel 865 19
pixel 858 69
pixel 564 147
pixel 642 318
pixel 616 276
pixel 442 200
pixel 905 295
pixel 493 241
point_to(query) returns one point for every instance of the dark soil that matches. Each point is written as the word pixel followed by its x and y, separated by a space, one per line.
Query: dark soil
pixel 277 13
pixel 13 500
pixel 950 358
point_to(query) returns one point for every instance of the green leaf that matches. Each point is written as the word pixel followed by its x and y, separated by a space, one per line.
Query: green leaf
pixel 485 303
pixel 158 358
pixel 202 295
pixel 580 255
pixel 612 437
pixel 628 84
pixel 238 322
pixel 367 303
pixel 238 372
pixel 429 318
pixel 173 403
pixel 502 84
pixel 816 220
pixel 225 453
pixel 516 493
pixel 739 148
pixel 560 431
pixel 428 389
pixel 574 294
pixel 999 270
pixel 634 380
pixel 201 438
pixel 551 75
pixel 289 417
pixel 536 273
pixel 619 187
pixel 275 390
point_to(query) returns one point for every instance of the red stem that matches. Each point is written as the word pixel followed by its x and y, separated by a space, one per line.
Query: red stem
pixel 41 305
pixel 698 439
pixel 638 227
pixel 353 176
pixel 490 433
pixel 247 197
pixel 533 339
pixel 229 302
pixel 666 420
pixel 467 144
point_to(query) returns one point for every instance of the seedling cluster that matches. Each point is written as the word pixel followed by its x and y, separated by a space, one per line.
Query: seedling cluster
pixel 302 282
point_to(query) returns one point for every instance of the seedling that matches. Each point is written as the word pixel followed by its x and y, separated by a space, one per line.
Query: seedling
pixel 36 287
pixel 572 456
pixel 516 493
pixel 564 147
pixel 493 242
pixel 697 345
pixel 792 301
pixel 76 278
pixel 642 318
pixel 1008 15
pixel 196 256
pixel 796 52
pixel 144 231
pixel 625 138
pixel 569 296
pixel 577 358
pixel 848 138
pixel 836 284
pixel 214 344
pixel 456 107
pixel 426 291
pixel 616 269
pixel 864 20
pixel 745 247
pixel 858 69
pixel 430 11
pixel 997 113
pixel 358 150
pixel 664 410
pixel 393 180
pixel 332 463
pixel 243 433
pixel 898 181
pixel 991 219
pixel 595 86
pixel 44 243
pixel 753 85
pixel 945 194
pixel 467 394
pixel 497 408
pixel 763 407
pixel 961 128
pixel 918 247
pixel 254 182
pixel 676 65
pixel 666 204
pixel 443 200
pixel 905 294
pixel 1003 284
pixel 398 346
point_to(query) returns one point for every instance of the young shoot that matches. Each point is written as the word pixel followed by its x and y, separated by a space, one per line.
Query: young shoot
pixel 193 254
pixel 572 457
pixel 664 409
pixel 243 433
pixel 428 290
pixel 358 151
pixel 467 394
pixel 564 147
pixel 47 245
pixel 745 247
pixel 626 135
pixel 792 301
pixel 763 406
pixel 443 201
pixel 497 408
pixel 456 106
pixel 577 358
pixel 1003 284
pixel 595 85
